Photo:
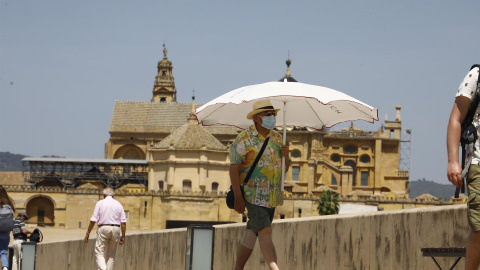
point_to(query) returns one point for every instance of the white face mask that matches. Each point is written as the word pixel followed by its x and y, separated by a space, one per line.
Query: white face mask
pixel 269 122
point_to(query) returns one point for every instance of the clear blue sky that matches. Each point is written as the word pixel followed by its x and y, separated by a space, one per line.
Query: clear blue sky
pixel 64 63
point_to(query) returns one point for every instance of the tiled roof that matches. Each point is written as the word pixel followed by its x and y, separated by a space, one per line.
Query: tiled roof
pixel 288 184
pixel 191 136
pixel 131 185
pixel 323 188
pixel 88 186
pixel 144 117
pixel 11 178
pixel 298 189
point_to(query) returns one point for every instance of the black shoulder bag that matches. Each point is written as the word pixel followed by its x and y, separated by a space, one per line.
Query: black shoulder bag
pixel 469 135
pixel 230 198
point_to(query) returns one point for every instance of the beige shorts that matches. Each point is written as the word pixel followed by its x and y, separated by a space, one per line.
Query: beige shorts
pixel 473 202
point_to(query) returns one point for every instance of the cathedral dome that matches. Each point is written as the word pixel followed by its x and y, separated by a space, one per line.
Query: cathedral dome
pixel 191 136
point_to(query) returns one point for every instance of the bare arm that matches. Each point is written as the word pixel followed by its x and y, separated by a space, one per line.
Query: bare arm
pixel 123 227
pixel 459 111
pixel 235 180
pixel 90 227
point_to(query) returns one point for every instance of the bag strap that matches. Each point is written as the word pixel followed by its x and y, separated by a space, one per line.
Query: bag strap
pixel 256 160
pixel 41 236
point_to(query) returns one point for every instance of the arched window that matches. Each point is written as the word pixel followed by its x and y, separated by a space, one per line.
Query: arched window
pixel 350 149
pixel 40 210
pixel 352 164
pixel 129 151
pixel 365 159
pixel 187 186
pixel 335 158
pixel 296 154
pixel 214 187
pixel 163 100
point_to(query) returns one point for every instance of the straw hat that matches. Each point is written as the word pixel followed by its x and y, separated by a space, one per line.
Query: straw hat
pixel 261 106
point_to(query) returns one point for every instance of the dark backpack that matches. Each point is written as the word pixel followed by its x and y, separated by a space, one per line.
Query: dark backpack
pixel 36 236
pixel 469 133
pixel 6 218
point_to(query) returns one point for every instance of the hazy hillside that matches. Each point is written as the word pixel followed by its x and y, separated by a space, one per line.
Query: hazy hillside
pixel 10 162
pixel 422 186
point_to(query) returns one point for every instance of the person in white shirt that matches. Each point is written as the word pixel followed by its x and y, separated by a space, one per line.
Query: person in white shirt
pixel 463 100
pixel 110 217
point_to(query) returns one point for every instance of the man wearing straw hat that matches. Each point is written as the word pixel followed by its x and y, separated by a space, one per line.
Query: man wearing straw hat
pixel 263 189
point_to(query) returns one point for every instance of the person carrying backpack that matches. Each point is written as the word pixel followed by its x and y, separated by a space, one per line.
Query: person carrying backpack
pixel 466 107
pixel 20 234
pixel 7 208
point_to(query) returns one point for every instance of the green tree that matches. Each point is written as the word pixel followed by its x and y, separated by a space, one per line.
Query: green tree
pixel 328 203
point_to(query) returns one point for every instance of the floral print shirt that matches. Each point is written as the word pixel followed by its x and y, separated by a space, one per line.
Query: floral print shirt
pixel 263 187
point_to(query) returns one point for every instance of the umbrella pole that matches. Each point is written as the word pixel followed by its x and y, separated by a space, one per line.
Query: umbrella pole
pixel 284 142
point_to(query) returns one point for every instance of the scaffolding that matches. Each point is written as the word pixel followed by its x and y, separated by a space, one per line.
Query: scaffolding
pixel 70 173
pixel 405 151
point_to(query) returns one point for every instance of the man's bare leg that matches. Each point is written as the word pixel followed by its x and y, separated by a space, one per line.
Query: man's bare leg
pixel 267 248
pixel 243 253
pixel 245 249
pixel 472 259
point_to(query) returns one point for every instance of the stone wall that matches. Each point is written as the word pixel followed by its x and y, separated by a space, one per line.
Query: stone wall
pixel 149 210
pixel 381 240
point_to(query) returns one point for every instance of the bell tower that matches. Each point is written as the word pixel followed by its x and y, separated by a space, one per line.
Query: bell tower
pixel 164 87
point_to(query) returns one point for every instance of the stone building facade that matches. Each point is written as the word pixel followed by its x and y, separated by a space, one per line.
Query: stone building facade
pixel 345 161
pixel 188 167
pixel 190 159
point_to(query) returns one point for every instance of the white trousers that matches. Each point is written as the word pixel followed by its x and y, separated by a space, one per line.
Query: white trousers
pixel 17 254
pixel 106 246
